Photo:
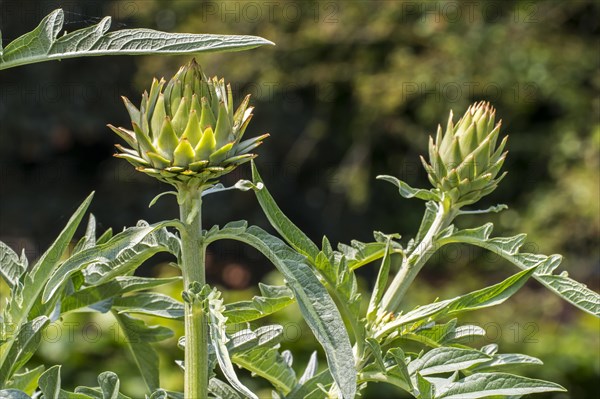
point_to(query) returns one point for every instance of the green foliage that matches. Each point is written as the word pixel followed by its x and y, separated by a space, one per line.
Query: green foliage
pixel 420 351
pixel 43 43
pixel 508 247
pixel 384 327
pixel 315 303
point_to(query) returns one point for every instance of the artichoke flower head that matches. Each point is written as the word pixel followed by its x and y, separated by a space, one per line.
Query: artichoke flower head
pixel 186 131
pixel 464 161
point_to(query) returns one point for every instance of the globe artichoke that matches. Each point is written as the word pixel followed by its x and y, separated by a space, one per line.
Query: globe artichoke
pixel 464 160
pixel 188 132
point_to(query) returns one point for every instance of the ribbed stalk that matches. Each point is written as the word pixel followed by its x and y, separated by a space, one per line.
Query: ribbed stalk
pixel 412 264
pixel 192 265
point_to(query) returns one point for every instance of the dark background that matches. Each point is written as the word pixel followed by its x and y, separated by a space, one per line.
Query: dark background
pixel 352 90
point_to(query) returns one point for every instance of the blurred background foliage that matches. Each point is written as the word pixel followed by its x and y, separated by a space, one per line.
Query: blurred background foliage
pixel 352 90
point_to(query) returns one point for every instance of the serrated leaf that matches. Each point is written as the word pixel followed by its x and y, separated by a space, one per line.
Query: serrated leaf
pixel 11 266
pixel 488 384
pixel 268 363
pixel 219 341
pixel 508 248
pixel 118 251
pixel 399 369
pixel 43 43
pixel 359 253
pixel 338 276
pixel 272 300
pixel 446 360
pixel 486 297
pixel 409 192
pixel 242 341
pixel 150 303
pixel 119 286
pixel 50 386
pixel 221 390
pixel 316 305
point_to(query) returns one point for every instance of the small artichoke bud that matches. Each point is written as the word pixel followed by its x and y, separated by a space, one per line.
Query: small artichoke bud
pixel 186 130
pixel 464 160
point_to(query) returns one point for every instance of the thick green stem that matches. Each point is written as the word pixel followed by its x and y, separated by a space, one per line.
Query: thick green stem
pixel 412 264
pixel 192 265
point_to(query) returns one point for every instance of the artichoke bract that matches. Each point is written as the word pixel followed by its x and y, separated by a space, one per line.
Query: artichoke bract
pixel 464 161
pixel 186 131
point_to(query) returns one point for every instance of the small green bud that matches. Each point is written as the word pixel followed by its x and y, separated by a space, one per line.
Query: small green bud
pixel 186 129
pixel 463 161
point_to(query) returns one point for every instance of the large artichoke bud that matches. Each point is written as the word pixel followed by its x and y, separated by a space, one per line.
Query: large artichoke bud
pixel 464 160
pixel 187 132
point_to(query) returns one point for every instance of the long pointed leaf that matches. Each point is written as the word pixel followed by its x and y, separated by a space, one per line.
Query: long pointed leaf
pixel 43 43
pixel 316 305
pixel 486 297
pixel 508 247
pixel 488 384
pixel 284 226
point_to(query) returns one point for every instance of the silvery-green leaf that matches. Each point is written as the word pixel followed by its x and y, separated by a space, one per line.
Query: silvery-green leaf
pixel 50 383
pixel 26 381
pixel 13 394
pixel 409 192
pixel 150 303
pixel 271 301
pixel 310 370
pixel 508 247
pixel 109 384
pixel 221 390
pixel 483 385
pixel 219 341
pixel 22 348
pixel 486 297
pixel 316 305
pixel 284 226
pixel 312 387
pixel 503 361
pixel 11 267
pixel 119 250
pixel 36 279
pixel 380 284
pixel 119 286
pixel 446 360
pixel 268 363
pixel 44 44
pixel 159 394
